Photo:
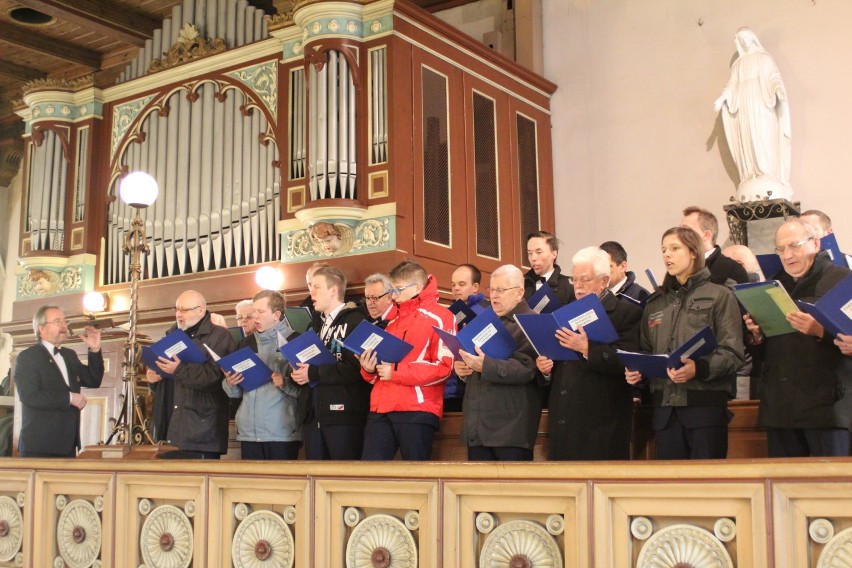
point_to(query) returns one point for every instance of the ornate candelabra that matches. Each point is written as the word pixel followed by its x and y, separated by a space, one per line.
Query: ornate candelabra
pixel 138 190
pixel 740 213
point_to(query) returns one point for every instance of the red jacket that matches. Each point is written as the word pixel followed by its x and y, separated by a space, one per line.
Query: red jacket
pixel 417 382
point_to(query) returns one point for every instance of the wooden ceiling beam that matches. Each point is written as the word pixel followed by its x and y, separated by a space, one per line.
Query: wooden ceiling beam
pixel 50 47
pixel 15 71
pixel 119 23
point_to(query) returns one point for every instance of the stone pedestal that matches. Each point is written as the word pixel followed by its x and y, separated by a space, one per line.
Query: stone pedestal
pixel 753 223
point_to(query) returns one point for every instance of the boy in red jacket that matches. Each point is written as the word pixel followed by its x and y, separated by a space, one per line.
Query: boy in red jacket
pixel 407 400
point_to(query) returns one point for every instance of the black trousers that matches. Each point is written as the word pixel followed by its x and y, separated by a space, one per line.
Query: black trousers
pixel 692 433
pixel 270 450
pixel 501 453
pixel 190 455
pixel 410 432
pixel 804 442
pixel 333 442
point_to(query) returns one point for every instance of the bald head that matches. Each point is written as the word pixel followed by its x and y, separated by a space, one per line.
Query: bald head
pixel 190 307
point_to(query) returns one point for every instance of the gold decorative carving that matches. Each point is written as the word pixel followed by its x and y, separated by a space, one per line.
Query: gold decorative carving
pixel 283 18
pixel 55 84
pixel 188 47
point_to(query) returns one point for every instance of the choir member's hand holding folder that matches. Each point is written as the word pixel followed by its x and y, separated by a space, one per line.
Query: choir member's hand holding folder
pixel 307 348
pixel 544 301
pixel 487 332
pixel 768 304
pixel 656 366
pixel 834 310
pixel 246 362
pixel 176 344
pixel 387 347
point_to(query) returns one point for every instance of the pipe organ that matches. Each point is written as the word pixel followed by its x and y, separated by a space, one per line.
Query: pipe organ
pixel 337 129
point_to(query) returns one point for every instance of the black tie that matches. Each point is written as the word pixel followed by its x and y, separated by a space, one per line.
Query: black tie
pixel 542 279
pixel 55 350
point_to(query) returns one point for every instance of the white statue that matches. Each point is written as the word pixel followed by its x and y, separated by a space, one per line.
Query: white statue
pixel 756 116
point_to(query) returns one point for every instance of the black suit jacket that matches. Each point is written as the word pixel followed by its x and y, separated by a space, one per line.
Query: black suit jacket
pixel 723 268
pixel 558 282
pixel 50 426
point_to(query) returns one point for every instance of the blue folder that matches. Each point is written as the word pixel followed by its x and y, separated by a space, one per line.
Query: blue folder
pixel 307 348
pixel 176 343
pixel 544 301
pixel 651 279
pixel 486 331
pixel 770 265
pixel 245 361
pixel 589 313
pixel 834 309
pixel 655 366
pixel 462 312
pixel 540 330
pixel 388 347
pixel 829 243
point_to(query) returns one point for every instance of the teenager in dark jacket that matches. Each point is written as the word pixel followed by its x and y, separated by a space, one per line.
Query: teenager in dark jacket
pixel 199 422
pixel 691 404
pixel 806 388
pixel 334 400
pixel 622 281
pixel 591 406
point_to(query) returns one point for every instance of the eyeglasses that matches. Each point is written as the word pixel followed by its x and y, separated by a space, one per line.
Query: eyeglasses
pixel 244 318
pixel 581 279
pixel 398 291
pixel 57 321
pixel 374 299
pixel 501 291
pixel 794 247
pixel 184 310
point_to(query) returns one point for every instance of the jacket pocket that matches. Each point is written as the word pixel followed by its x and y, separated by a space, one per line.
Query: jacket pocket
pixel 699 313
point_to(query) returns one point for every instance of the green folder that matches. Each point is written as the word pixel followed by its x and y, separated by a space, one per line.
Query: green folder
pixel 299 318
pixel 768 304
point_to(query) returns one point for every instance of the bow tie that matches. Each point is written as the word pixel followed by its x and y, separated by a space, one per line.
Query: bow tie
pixel 55 350
pixel 542 279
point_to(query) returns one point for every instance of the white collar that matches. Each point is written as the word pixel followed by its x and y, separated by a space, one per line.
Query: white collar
pixel 617 286
pixel 328 318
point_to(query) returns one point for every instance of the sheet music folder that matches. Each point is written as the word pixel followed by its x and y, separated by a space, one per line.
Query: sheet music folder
pixel 834 309
pixel 485 331
pixel 655 366
pixel 255 372
pixel 388 347
pixel 176 343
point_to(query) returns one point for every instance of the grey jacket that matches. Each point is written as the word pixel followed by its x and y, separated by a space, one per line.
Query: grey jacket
pixel 673 314
pixel 267 413
pixel 502 404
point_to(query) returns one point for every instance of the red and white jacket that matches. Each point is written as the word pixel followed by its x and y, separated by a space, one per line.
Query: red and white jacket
pixel 417 382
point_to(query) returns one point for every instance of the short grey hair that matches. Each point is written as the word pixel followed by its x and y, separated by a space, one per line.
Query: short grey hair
pixel 243 304
pixel 379 278
pixel 512 273
pixel 40 317
pixel 598 258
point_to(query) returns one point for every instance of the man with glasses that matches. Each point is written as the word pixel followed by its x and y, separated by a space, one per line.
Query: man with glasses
pixel 590 409
pixel 199 420
pixel 245 317
pixel 407 400
pixel 502 403
pixel 377 299
pixel 48 378
pixel 806 389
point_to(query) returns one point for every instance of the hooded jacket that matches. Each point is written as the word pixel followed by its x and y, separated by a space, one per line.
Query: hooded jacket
pixel 673 314
pixel 267 413
pixel 417 382
pixel 336 394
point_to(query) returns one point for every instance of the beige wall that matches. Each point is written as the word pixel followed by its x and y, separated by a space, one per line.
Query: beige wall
pixel 634 132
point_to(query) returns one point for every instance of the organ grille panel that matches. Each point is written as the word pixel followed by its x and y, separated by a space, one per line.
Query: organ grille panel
pixel 46 204
pixel 485 165
pixel 219 192
pixel 332 168
pixel 82 174
pixel 378 106
pixel 528 176
pixel 436 160
pixel 297 124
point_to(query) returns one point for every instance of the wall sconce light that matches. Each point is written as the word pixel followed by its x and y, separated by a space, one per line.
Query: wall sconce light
pixel 95 302
pixel 269 278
